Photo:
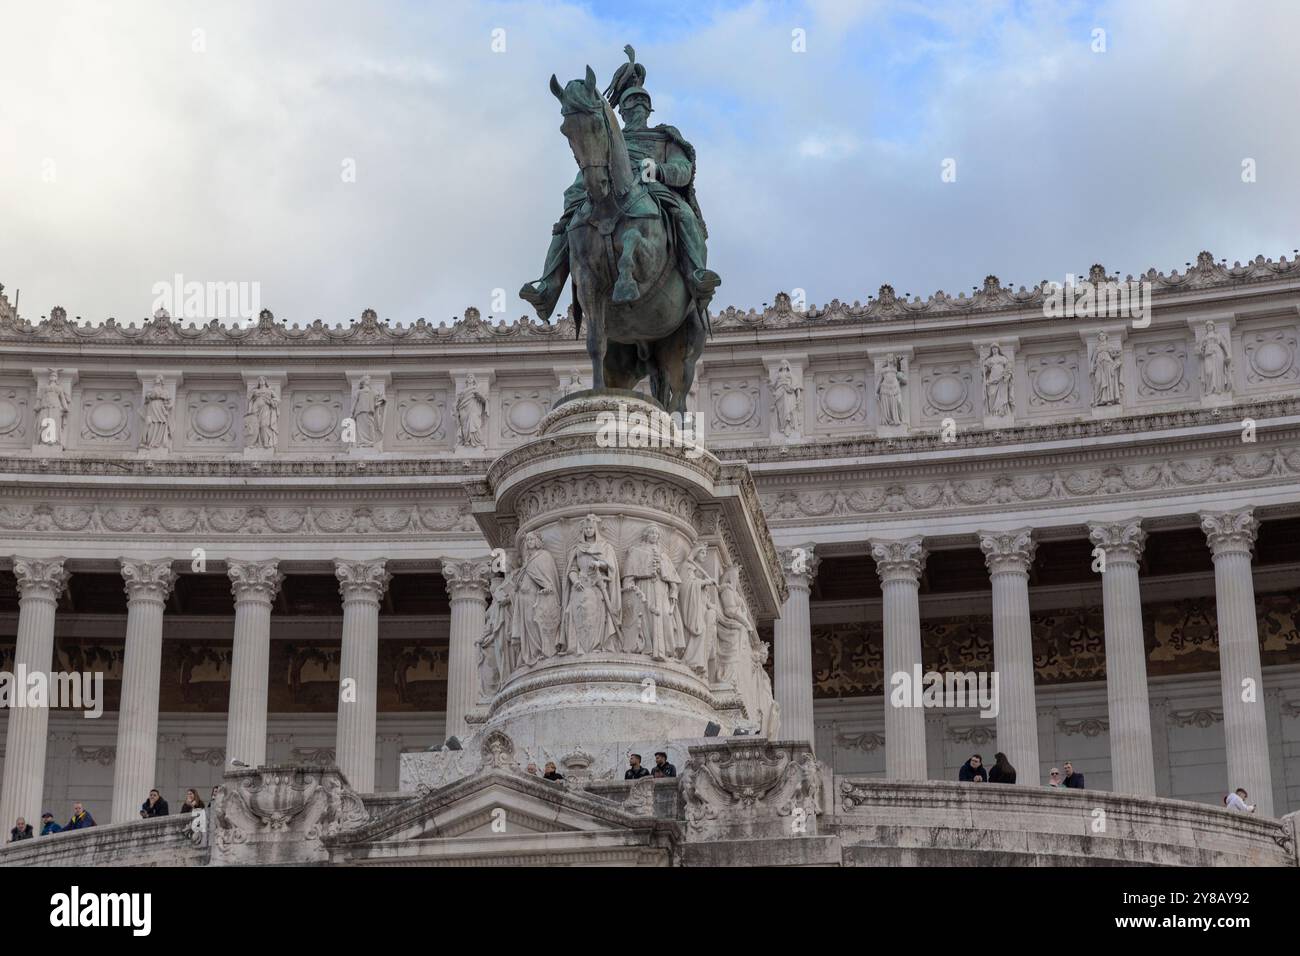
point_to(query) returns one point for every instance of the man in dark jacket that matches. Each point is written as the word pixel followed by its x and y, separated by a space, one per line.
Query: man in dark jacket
pixel 155 806
pixel 80 818
pixel 22 830
pixel 1073 780
pixel 635 771
pixel 48 825
pixel 662 767
pixel 972 771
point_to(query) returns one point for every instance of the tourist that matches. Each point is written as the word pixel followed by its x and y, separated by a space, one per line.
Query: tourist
pixel 662 767
pixel 212 797
pixel 532 770
pixel 80 818
pixel 1001 771
pixel 1072 780
pixel 972 771
pixel 1054 779
pixel 1237 801
pixel 551 773
pixel 22 831
pixel 155 806
pixel 635 771
pixel 48 825
pixel 192 801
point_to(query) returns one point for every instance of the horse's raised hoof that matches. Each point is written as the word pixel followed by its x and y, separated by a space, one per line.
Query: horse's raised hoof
pixel 625 290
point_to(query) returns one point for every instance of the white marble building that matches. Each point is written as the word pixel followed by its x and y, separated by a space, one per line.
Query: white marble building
pixel 221 520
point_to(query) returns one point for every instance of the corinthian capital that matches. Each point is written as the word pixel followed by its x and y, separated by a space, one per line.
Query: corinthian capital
pixel 254 578
pixel 1008 550
pixel 40 576
pixel 901 560
pixel 148 579
pixel 1230 531
pixel 800 565
pixel 468 579
pixel 1121 540
pixel 361 578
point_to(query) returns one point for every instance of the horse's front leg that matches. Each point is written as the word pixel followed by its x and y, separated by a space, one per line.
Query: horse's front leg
pixel 625 289
pixel 597 342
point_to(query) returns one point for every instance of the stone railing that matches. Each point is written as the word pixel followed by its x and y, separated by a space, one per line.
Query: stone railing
pixel 178 840
pixel 890 823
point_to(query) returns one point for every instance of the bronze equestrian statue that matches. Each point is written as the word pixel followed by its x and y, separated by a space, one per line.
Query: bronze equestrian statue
pixel 633 239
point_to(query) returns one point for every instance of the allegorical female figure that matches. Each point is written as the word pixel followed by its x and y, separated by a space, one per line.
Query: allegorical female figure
pixel 785 400
pixel 652 582
pixel 999 378
pixel 368 413
pixel 1106 359
pixel 536 603
pixel 1216 362
pixel 157 416
pixel 262 420
pixel 699 609
pixel 471 412
pixel 734 628
pixel 591 593
pixel 496 627
pixel 52 411
pixel 889 392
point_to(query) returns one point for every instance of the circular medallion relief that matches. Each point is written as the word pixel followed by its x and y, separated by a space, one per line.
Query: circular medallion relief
pixel 841 400
pixel 106 419
pixel 317 421
pixel 212 421
pixel 947 392
pixel 1163 371
pixel 9 416
pixel 420 419
pixel 1054 383
pixel 734 408
pixel 1272 359
pixel 525 414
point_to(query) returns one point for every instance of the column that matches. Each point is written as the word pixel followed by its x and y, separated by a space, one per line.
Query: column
pixel 467 583
pixel 1008 555
pixel 899 565
pixel 254 584
pixel 135 772
pixel 40 582
pixel 1117 548
pixel 1231 536
pixel 792 655
pixel 362 584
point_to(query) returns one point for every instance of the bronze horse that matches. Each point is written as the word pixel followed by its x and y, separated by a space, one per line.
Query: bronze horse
pixel 641 318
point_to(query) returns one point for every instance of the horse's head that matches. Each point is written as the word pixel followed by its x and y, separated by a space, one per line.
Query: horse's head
pixel 591 131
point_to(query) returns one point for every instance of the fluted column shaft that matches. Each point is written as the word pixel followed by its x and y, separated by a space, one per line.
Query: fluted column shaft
pixel 40 582
pixel 1231 537
pixel 467 584
pixel 362 584
pixel 792 655
pixel 1118 547
pixel 254 584
pixel 147 585
pixel 1008 556
pixel 899 565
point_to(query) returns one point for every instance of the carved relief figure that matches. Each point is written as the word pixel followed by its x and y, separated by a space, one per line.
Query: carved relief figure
pixel 735 629
pixel 497 632
pixel 651 582
pixel 1216 362
pixel 591 593
pixel 999 383
pixel 889 391
pixel 158 406
pixel 471 413
pixel 786 400
pixel 536 603
pixel 769 711
pixel 699 609
pixel 52 411
pixel 1107 360
pixel 368 413
pixel 262 420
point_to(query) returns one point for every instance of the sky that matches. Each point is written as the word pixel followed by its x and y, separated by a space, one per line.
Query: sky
pixel 406 156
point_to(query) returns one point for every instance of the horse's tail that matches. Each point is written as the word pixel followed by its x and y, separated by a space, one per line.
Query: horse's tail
pixel 577 313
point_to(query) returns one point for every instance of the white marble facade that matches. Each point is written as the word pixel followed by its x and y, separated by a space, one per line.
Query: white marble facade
pixel 891 429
